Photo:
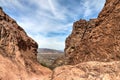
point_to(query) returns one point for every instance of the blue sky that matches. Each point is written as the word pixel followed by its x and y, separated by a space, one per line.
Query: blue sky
pixel 49 22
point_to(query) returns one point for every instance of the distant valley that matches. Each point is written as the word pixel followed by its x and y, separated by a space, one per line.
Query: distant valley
pixel 47 57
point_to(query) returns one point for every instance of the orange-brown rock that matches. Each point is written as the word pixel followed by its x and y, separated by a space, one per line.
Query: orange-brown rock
pixel 93 41
pixel 18 59
pixel 96 39
pixel 89 71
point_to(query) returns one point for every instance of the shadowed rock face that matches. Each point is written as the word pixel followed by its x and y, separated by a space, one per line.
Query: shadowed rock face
pixel 97 39
pixel 18 59
pixel 13 38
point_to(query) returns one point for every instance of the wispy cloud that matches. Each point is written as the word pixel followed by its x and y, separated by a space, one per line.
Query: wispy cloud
pixel 52 7
pixel 49 22
pixel 92 8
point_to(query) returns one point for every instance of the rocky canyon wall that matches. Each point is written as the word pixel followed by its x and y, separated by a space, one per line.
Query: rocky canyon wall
pixel 18 53
pixel 97 39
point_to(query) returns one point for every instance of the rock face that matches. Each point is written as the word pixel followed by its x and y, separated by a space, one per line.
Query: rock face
pixel 96 39
pixel 14 39
pixel 18 59
pixel 89 71
pixel 92 42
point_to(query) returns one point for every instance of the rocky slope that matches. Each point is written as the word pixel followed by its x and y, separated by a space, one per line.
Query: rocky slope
pixel 18 59
pixel 96 39
pixel 88 71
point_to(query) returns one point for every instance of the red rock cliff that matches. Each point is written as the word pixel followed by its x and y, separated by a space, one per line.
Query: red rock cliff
pixel 18 53
pixel 13 38
pixel 96 39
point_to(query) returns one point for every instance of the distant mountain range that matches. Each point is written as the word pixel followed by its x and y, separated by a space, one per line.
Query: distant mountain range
pixel 49 51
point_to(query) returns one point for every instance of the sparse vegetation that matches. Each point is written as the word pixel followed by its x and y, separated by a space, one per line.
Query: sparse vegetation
pixel 51 60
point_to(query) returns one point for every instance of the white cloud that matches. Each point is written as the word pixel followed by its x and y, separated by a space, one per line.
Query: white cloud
pixel 50 16
pixel 91 7
pixel 47 26
pixel 52 7
pixel 48 42
pixel 12 4
pixel 88 11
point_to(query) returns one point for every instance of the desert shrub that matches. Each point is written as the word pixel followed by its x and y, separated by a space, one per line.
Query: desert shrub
pixel 48 66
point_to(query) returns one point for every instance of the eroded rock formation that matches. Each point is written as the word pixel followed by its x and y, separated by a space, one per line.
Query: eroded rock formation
pixel 89 71
pixel 96 39
pixel 18 59
pixel 92 42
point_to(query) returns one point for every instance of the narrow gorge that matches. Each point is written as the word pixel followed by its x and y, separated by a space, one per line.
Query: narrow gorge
pixel 92 50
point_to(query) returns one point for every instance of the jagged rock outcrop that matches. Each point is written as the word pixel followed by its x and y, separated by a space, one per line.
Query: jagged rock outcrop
pixel 18 53
pixel 96 39
pixel 92 42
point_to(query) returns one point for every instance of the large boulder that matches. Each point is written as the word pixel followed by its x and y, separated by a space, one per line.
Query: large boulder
pixel 92 70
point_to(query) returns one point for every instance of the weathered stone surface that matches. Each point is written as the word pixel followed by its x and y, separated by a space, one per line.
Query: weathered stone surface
pixel 97 39
pixel 18 59
pixel 89 71
pixel 93 41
